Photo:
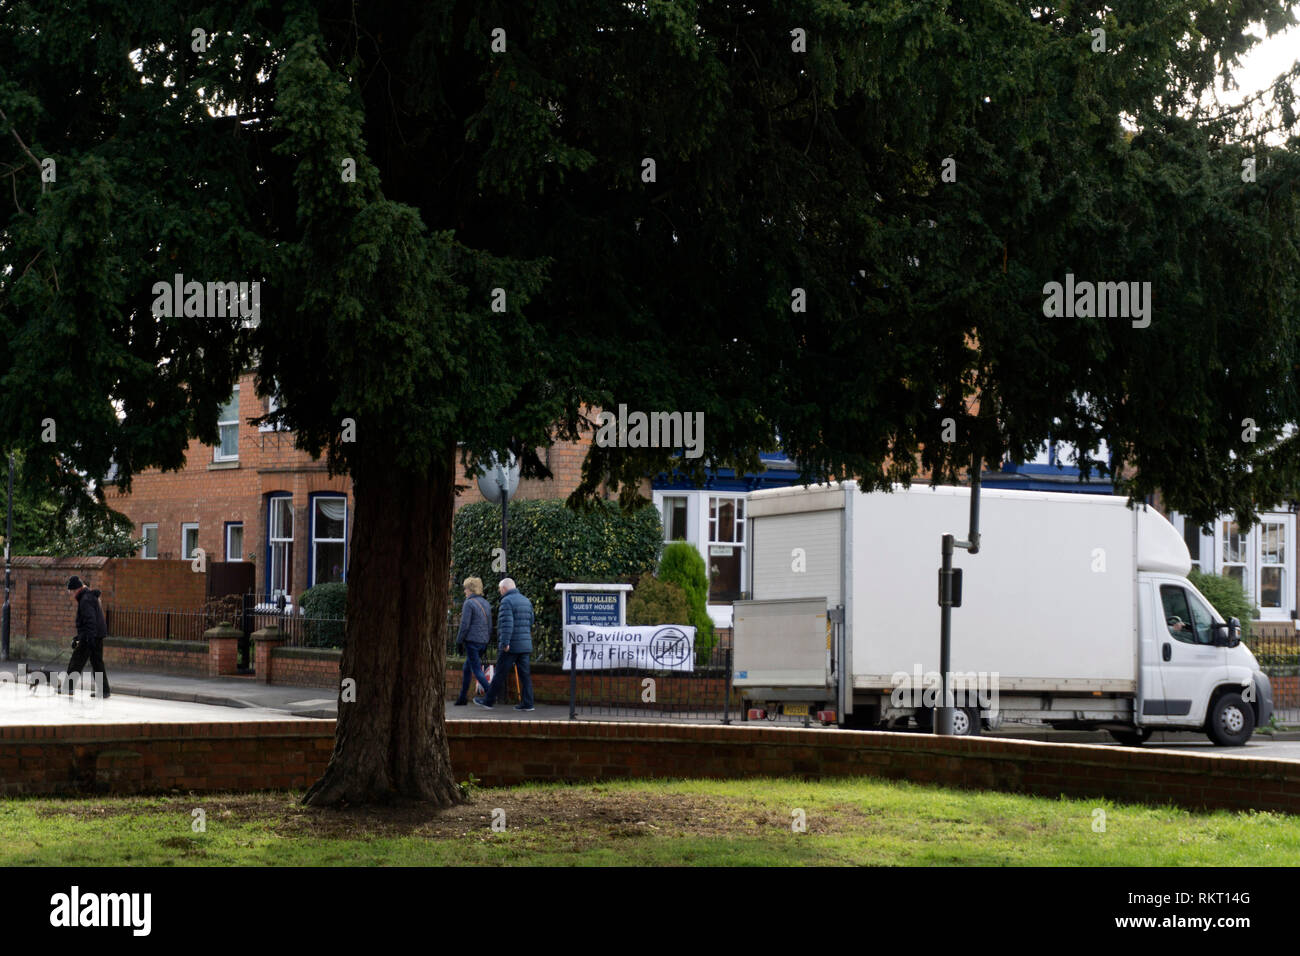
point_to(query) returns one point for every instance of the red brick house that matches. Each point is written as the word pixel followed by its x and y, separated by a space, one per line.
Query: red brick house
pixel 256 498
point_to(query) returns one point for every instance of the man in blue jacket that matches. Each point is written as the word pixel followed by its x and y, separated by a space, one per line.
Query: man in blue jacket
pixel 515 640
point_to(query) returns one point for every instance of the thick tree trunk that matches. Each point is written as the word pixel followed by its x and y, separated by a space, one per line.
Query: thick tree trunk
pixel 391 742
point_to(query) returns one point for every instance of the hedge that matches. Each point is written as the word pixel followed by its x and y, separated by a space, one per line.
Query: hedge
pixel 1227 596
pixel 657 602
pixel 550 543
pixel 682 565
pixel 324 609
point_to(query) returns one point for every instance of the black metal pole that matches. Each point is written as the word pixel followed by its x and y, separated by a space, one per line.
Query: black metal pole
pixel 9 534
pixel 505 533
pixel 726 701
pixel 573 678
pixel 943 712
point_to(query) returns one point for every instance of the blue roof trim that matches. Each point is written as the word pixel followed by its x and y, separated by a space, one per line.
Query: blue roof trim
pixel 1028 483
pixel 726 479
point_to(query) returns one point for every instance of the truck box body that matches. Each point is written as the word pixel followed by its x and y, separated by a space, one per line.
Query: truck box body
pixel 1016 619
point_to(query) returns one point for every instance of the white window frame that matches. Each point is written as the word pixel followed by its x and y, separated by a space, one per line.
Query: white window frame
pixel 1212 559
pixel 144 533
pixel 225 423
pixel 1206 561
pixel 315 558
pixel 1288 583
pixel 239 555
pixel 271 406
pixel 1221 539
pixel 186 527
pixel 665 517
pixel 738 530
pixel 272 541
pixel 738 520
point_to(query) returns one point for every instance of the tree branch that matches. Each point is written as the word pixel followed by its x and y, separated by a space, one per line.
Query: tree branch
pixel 35 162
pixel 13 176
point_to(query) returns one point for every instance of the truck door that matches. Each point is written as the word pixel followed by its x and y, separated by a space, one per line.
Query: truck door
pixel 1189 661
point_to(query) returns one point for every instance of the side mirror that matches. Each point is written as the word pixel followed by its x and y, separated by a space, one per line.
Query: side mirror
pixel 1232 633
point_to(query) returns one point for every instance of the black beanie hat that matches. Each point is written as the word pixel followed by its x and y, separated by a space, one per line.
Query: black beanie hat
pixel 74 583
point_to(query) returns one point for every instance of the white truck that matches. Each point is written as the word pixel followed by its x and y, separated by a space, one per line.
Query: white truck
pixel 1075 613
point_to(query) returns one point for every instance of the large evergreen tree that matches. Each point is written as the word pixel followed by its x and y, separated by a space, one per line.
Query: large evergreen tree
pixel 740 209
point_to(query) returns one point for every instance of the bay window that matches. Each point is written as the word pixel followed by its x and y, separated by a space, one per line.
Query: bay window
pixel 329 533
pixel 279 552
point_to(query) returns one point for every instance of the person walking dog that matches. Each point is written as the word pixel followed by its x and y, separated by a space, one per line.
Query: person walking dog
pixel 91 631
pixel 475 628
pixel 515 639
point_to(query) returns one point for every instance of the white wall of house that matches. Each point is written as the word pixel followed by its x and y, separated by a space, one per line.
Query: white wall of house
pixel 1263 558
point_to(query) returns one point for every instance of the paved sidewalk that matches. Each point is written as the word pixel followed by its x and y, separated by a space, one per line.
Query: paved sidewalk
pixel 282 699
pixel 287 701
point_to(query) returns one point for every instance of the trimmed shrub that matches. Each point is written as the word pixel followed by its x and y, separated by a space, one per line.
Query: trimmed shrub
pixel 551 543
pixel 657 602
pixel 682 565
pixel 324 607
pixel 1227 596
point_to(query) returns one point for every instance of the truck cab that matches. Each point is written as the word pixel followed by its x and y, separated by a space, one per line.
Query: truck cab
pixel 1196 673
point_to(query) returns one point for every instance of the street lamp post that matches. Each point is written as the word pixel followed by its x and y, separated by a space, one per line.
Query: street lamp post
pixel 497 482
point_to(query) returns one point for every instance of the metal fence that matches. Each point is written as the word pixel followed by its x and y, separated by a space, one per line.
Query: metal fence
pixel 158 624
pixel 299 628
pixel 246 612
pixel 1279 658
pixel 703 693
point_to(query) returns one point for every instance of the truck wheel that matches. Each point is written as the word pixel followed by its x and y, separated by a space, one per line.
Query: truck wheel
pixel 1131 738
pixel 1231 722
pixel 965 722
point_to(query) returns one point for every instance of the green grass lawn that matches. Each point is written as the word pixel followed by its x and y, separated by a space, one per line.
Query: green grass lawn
pixel 645 823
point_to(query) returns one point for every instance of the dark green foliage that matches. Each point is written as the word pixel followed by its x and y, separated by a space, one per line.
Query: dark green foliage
pixel 1227 596
pixel 46 525
pixel 521 170
pixel 325 608
pixel 108 535
pixel 657 602
pixel 549 544
pixel 682 565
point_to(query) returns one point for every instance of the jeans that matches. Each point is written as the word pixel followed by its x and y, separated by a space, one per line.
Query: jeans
pixel 506 662
pixel 473 670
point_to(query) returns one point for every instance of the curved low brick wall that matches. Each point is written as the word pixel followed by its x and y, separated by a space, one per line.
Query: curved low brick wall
pixel 127 758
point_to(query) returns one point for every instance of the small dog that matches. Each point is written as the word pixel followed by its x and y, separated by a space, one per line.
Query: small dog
pixel 34 678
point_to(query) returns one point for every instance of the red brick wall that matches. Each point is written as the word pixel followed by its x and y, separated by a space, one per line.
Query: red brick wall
pixel 1286 692
pixel 182 658
pixel 164 584
pixel 305 671
pixel 212 494
pixel 40 608
pixel 124 758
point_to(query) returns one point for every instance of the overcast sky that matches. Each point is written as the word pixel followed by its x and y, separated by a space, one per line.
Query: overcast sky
pixel 1260 67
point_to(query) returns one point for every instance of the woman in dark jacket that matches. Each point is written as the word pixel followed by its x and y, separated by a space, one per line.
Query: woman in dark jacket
pixel 475 628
